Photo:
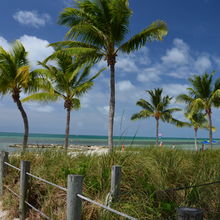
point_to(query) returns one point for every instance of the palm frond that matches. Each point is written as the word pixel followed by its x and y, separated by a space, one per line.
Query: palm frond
pixel 146 105
pixel 141 115
pixel 179 123
pixel 196 106
pixel 184 98
pixel 41 97
pixel 120 14
pixel 156 31
pixel 80 52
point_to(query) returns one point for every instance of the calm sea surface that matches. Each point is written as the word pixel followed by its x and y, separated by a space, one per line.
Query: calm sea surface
pixel 7 139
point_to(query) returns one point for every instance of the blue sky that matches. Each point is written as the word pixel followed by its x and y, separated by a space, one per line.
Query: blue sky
pixel 191 47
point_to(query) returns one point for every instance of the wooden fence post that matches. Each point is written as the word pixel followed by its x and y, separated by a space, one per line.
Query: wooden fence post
pixel 3 169
pixel 25 167
pixel 115 182
pixel 184 213
pixel 74 203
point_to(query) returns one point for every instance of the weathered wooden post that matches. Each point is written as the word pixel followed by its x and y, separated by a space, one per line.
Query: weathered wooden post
pixel 25 167
pixel 184 213
pixel 3 169
pixel 74 203
pixel 115 182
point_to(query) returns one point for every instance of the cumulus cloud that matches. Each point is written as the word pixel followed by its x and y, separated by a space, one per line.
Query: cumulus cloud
pixel 174 89
pixel 125 85
pixel 127 64
pixel 4 43
pixel 33 106
pixel 178 55
pixel 180 61
pixel 202 63
pixel 31 18
pixel 37 48
pixel 151 74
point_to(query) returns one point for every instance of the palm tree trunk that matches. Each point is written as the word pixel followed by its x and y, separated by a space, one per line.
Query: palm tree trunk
pixel 157 131
pixel 210 127
pixel 66 144
pixel 196 144
pixel 111 107
pixel 25 120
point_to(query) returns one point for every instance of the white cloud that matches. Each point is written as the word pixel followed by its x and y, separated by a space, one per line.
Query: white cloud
pixel 125 85
pixel 4 43
pixel 127 64
pixel 37 48
pixel 178 55
pixel 174 89
pixel 216 59
pixel 182 72
pixel 31 18
pixel 33 106
pixel 151 74
pixel 202 64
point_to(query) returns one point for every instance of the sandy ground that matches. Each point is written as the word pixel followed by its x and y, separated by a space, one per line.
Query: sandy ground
pixel 90 151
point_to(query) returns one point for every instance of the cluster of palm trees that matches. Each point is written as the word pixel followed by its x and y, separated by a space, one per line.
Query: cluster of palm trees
pixel 200 99
pixel 96 30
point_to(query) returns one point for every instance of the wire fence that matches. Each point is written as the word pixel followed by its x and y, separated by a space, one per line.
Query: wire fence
pixel 46 181
pixel 73 190
pixel 106 207
pixel 75 196
pixel 188 187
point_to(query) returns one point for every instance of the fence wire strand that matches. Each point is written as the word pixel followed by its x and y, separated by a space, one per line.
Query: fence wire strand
pixel 10 190
pixel 106 207
pixel 43 180
pixel 12 166
pixel 188 187
pixel 35 209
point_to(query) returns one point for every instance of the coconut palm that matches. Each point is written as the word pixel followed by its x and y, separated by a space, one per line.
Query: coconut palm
pixel 157 107
pixel 202 96
pixel 69 81
pixel 16 77
pixel 97 29
pixel 197 120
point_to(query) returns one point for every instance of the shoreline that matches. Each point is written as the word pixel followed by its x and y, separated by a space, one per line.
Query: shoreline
pixel 73 150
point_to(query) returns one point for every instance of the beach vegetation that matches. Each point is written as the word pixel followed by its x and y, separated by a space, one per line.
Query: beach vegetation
pixel 158 108
pixel 98 29
pixel 146 172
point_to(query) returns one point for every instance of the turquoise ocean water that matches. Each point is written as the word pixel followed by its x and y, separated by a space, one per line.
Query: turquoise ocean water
pixel 7 139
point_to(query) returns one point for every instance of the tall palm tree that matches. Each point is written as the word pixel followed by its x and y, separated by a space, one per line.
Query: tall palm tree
pixel 157 107
pixel 69 80
pixel 197 120
pixel 97 29
pixel 204 94
pixel 16 77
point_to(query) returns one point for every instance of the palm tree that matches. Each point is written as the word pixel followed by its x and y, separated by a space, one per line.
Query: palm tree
pixel 203 95
pixel 197 120
pixel 97 29
pixel 69 80
pixel 157 107
pixel 16 77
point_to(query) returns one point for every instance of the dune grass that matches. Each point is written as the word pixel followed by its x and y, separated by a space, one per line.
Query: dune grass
pixel 145 171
